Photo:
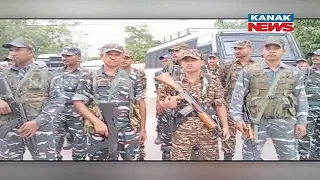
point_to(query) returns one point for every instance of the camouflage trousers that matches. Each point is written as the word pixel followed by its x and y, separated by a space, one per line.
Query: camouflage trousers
pixel 190 133
pixel 304 144
pixel 65 124
pixel 13 146
pixel 159 124
pixel 229 146
pixel 166 133
pixel 282 133
pixel 315 147
pixel 128 146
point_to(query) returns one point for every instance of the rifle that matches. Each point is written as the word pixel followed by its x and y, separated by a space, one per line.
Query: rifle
pixel 211 123
pixel 112 142
pixel 251 133
pixel 19 117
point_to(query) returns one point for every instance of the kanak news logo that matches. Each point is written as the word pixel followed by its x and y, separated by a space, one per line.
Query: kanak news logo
pixel 270 22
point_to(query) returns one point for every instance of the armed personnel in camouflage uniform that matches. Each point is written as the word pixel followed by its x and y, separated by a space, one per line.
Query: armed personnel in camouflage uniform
pixel 214 62
pixel 140 109
pixel 283 113
pixel 313 94
pixel 228 75
pixel 191 130
pixel 174 69
pixel 304 144
pixel 41 95
pixel 166 59
pixel 97 88
pixel 70 120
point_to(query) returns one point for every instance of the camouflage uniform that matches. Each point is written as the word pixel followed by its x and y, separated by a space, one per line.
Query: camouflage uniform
pixel 192 131
pixel 312 90
pixel 142 76
pixel 126 136
pixel 159 124
pixel 165 117
pixel 70 120
pixel 279 119
pixel 311 80
pixel 42 98
pixel 228 75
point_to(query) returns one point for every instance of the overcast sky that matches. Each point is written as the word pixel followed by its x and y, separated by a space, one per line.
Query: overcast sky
pixel 101 32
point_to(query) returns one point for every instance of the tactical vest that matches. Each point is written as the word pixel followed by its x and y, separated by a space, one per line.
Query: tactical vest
pixel 312 84
pixel 33 94
pixel 281 103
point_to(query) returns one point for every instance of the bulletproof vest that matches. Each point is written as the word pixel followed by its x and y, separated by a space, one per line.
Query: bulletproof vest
pixel 312 83
pixel 281 103
pixel 33 94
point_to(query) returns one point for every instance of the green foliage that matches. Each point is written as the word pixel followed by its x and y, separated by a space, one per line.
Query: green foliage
pixel 50 36
pixel 139 40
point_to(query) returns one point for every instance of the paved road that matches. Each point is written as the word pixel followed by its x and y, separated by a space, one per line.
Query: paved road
pixel 153 151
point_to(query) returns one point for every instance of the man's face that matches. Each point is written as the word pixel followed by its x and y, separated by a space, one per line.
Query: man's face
pixel 213 60
pixel 70 60
pixel 190 64
pixel 112 58
pixel 177 54
pixel 315 59
pixel 20 55
pixel 165 61
pixel 241 52
pixel 302 65
pixel 273 52
pixel 126 62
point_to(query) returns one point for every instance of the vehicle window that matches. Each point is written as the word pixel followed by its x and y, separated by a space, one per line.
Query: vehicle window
pixel 257 41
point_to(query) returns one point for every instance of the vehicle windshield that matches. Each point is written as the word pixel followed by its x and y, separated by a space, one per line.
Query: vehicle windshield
pixel 227 41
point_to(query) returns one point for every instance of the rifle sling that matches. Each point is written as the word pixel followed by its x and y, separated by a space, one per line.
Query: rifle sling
pixel 266 99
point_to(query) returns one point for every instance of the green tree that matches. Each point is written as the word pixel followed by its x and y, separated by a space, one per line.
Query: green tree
pixel 50 36
pixel 139 40
pixel 237 24
pixel 306 31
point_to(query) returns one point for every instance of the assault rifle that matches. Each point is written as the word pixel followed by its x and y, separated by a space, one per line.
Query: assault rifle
pixel 19 117
pixel 211 123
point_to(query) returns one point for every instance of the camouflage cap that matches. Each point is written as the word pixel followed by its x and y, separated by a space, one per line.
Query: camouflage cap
pixel 20 42
pixel 111 47
pixel 180 46
pixel 213 54
pixel 273 40
pixel 193 53
pixel 316 52
pixel 167 56
pixel 128 54
pixel 242 44
pixel 302 59
pixel 71 51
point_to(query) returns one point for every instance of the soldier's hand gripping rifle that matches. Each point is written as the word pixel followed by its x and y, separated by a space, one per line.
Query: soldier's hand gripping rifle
pixel 19 117
pixel 211 123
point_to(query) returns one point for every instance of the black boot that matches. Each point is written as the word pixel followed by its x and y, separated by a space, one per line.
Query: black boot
pixel 166 156
pixel 228 156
